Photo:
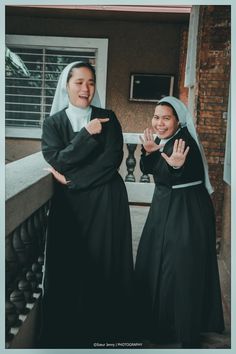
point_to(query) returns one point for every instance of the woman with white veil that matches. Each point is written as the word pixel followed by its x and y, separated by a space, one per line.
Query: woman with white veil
pixel 89 266
pixel 176 272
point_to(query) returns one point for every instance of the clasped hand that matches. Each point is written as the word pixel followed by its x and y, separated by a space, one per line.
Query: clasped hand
pixel 179 152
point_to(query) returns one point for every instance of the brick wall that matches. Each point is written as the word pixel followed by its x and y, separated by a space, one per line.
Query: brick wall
pixel 212 94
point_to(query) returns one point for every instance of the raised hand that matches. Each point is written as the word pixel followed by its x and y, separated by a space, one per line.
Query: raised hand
pixel 59 177
pixel 178 155
pixel 148 141
pixel 95 125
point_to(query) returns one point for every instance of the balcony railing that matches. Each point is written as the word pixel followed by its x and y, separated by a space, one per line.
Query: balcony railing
pixel 29 189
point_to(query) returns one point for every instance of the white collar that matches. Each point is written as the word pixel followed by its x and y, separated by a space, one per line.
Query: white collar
pixel 78 117
pixel 164 141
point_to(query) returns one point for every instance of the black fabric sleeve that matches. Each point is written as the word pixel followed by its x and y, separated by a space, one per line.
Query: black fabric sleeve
pixel 192 169
pixel 62 157
pixel 147 162
pixel 104 167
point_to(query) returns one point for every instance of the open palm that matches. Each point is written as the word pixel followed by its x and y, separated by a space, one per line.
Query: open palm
pixel 178 155
pixel 148 141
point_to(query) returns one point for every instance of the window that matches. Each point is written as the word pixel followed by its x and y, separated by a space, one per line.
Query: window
pixel 28 99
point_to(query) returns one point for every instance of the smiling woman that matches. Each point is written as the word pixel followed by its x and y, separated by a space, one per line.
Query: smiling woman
pixel 164 122
pixel 177 280
pixel 89 266
pixel 81 86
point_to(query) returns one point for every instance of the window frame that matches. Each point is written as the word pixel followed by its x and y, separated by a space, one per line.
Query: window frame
pixel 65 43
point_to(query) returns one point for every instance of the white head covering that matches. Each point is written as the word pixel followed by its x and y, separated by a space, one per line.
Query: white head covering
pixel 61 99
pixel 186 120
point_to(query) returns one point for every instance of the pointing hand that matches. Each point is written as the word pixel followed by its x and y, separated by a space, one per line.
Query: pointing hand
pixel 95 125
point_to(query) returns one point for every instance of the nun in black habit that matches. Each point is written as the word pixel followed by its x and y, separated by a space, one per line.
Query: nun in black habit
pixel 176 272
pixel 88 274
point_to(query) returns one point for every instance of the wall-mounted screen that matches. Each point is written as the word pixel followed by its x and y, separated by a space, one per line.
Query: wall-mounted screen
pixel 150 87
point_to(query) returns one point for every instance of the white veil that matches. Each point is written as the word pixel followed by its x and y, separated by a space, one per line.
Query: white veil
pixel 61 99
pixel 186 120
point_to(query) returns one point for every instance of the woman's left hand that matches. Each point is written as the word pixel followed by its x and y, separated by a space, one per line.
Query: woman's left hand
pixel 59 177
pixel 178 155
pixel 95 125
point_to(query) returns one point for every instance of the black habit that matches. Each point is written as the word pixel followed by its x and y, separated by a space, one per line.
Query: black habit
pixel 89 265
pixel 177 281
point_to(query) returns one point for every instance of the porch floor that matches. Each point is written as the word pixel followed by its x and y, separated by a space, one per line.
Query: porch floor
pixel 211 340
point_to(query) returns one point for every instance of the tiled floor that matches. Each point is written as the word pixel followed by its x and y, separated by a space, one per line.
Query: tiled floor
pixel 211 340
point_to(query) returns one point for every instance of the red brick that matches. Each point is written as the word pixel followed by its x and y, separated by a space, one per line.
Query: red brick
pixel 213 99
pixel 211 114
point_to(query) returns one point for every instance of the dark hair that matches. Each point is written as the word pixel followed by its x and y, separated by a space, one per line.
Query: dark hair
pixel 169 105
pixel 82 65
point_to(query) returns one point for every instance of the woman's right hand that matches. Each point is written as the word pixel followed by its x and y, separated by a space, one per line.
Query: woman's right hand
pixel 148 141
pixel 95 125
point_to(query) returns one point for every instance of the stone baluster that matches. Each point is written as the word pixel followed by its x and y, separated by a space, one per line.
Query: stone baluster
pixel 25 287
pixel 131 162
pixel 11 319
pixel 18 299
pixel 38 231
pixel 12 265
pixel 37 270
pixel 31 232
pixel 31 277
pixel 41 260
pixel 145 178
pixel 43 223
pixel 27 241
pixel 20 249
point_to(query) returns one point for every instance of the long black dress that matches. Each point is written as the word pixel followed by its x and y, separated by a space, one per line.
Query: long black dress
pixel 177 281
pixel 89 264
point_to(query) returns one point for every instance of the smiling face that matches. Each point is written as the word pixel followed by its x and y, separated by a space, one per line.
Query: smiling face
pixel 81 87
pixel 164 122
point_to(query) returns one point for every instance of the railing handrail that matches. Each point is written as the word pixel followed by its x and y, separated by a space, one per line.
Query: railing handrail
pixel 26 177
pixel 132 138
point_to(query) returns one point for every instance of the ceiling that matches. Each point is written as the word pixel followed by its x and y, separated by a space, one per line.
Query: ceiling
pixel 106 13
